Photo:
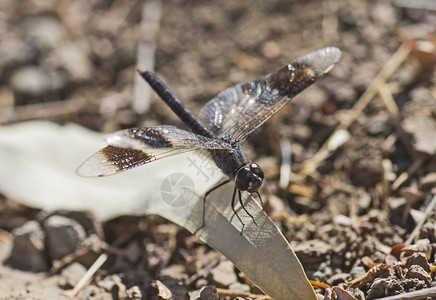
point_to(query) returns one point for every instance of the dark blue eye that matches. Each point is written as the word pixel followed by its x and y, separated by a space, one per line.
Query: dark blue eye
pixel 257 170
pixel 249 178
pixel 243 177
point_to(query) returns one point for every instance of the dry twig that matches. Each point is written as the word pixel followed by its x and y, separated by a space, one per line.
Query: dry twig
pixel 418 226
pixel 48 110
pixel 41 110
pixel 285 168
pixel 388 100
pixel 94 268
pixel 151 13
pixel 412 170
pixel 381 270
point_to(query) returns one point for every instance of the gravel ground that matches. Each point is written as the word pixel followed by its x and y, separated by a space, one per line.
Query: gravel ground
pixel 74 61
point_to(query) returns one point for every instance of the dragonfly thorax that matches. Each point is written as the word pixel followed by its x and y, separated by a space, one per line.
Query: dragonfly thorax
pixel 249 177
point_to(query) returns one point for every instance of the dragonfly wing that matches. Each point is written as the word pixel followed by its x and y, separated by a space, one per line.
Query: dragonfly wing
pixel 112 160
pixel 239 110
pixel 139 146
pixel 163 136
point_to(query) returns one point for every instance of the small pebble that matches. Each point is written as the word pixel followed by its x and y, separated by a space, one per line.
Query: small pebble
pixel 271 49
pixel 419 273
pixel 14 52
pixel 134 293
pixel 419 259
pixel 378 124
pixel 208 293
pixel 31 81
pixel 73 57
pixel 162 291
pixel 224 275
pixel 428 181
pixel 110 282
pixel 239 287
pixel 28 250
pixel 43 32
pixel 64 236
pixel 71 275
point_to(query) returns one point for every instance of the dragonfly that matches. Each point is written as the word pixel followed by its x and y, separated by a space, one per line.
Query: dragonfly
pixel 223 123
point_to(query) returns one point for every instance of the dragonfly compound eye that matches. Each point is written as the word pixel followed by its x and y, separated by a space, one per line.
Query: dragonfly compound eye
pixel 255 168
pixel 248 178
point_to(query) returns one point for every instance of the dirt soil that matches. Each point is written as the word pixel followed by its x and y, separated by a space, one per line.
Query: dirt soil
pixel 74 61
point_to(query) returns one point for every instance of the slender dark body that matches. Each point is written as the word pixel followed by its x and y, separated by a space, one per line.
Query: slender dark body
pixel 228 161
pixel 233 163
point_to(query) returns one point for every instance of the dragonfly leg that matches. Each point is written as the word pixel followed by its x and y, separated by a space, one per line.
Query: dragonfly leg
pixel 204 202
pixel 242 205
pixel 234 210
pixel 260 200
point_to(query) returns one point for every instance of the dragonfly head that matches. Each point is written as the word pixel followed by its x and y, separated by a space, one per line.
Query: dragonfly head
pixel 249 177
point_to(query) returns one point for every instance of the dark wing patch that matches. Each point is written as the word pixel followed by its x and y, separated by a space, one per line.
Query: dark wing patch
pixel 111 160
pixel 124 159
pixel 238 111
pixel 163 136
pixel 138 146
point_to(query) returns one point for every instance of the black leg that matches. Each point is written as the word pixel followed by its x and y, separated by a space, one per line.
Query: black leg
pixel 204 201
pixel 242 205
pixel 260 200
pixel 234 210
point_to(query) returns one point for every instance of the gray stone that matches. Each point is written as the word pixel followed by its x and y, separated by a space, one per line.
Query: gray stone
pixel 134 293
pixel 43 32
pixel 378 288
pixel 420 260
pixel 224 274
pixel 14 52
pixel 208 293
pixel 71 275
pixel 423 130
pixel 73 59
pixel 28 251
pixel 64 236
pixel 428 181
pixel 30 81
pixel 239 287
pixel 312 251
pixel 113 283
pixel 419 273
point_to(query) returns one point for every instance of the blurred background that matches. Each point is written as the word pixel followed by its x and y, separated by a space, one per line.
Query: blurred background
pixel 77 59
pixel 74 62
